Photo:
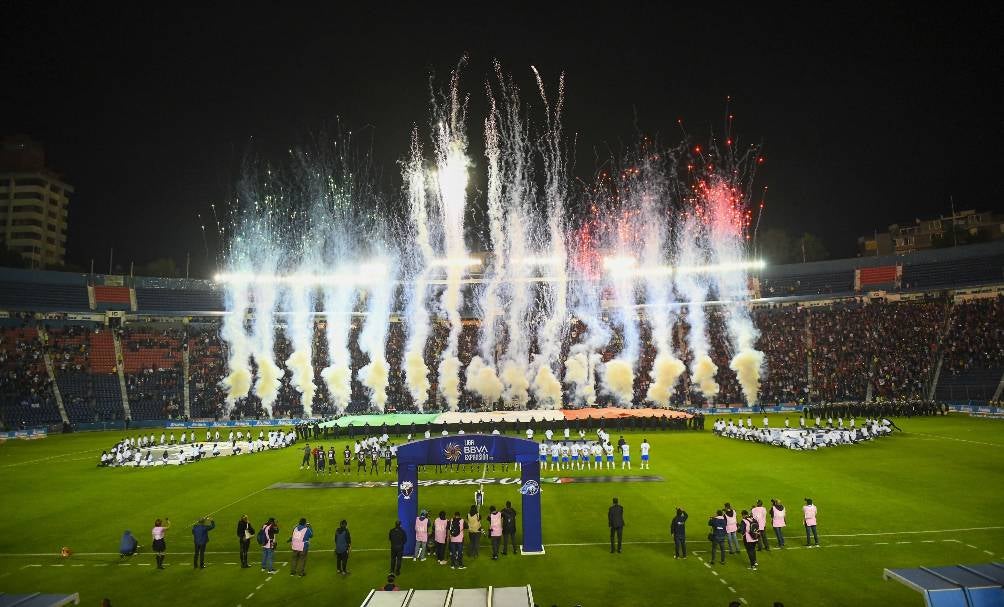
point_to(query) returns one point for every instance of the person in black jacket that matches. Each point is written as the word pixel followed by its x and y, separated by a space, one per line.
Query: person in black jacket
pixel 397 538
pixel 678 530
pixel 615 520
pixel 509 528
pixel 245 531
pixel 717 535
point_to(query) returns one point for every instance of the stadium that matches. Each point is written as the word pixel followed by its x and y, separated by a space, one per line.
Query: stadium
pixel 489 359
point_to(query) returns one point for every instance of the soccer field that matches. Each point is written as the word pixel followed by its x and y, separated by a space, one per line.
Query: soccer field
pixel 928 496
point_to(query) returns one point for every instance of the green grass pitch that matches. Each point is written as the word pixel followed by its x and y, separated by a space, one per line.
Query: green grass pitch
pixel 916 498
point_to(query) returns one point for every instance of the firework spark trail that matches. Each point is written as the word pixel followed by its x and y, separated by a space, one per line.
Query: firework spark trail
pixel 237 383
pixel 416 372
pixel 583 357
pixel 451 186
pixel 726 218
pixel 337 376
pixel 300 301
pixel 546 386
pixel 269 378
pixel 373 338
pixel 666 368
pixel 703 369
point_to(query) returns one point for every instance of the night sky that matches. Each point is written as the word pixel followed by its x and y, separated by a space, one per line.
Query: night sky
pixel 867 118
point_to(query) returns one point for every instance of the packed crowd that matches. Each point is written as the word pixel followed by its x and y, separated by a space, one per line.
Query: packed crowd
pixel 146 450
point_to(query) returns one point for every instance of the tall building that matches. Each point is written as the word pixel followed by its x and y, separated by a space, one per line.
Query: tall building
pixel 962 227
pixel 34 203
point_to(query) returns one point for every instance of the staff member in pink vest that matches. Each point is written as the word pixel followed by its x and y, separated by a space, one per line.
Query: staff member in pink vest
pixel 495 530
pixel 439 535
pixel 759 514
pixel 457 526
pixel 731 526
pixel 809 513
pixel 777 514
pixel 421 535
pixel 300 543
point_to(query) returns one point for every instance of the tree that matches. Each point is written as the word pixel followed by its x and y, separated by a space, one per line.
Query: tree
pixel 811 248
pixel 774 246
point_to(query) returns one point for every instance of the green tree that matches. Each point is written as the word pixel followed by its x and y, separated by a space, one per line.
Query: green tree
pixel 811 248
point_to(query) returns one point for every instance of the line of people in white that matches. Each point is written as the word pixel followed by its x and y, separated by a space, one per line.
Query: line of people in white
pixel 805 438
pixel 146 451
pixel 588 454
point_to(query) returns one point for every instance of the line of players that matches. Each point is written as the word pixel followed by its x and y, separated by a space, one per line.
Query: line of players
pixel 369 451
pixel 589 455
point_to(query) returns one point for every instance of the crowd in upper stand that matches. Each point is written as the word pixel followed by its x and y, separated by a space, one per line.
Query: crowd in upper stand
pixel 845 351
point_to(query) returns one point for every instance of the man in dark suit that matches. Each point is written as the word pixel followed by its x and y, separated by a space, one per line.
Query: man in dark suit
pixel 678 529
pixel 397 538
pixel 615 519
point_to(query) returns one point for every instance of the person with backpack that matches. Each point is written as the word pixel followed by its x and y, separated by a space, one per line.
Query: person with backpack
pixel 398 538
pixel 245 530
pixel 266 539
pixel 456 531
pixel 300 543
pixel 509 528
pixel 343 544
pixel 750 531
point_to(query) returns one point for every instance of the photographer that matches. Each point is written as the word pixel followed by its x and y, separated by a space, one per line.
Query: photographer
pixel 200 532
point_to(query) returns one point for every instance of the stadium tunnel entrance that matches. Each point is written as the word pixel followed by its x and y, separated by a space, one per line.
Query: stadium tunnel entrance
pixel 471 449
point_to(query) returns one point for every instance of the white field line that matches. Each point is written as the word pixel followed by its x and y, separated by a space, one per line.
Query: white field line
pixel 45 459
pixel 961 440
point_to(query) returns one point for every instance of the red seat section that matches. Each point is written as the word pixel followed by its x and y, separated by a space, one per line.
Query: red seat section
pixel 881 275
pixel 102 352
pixel 103 294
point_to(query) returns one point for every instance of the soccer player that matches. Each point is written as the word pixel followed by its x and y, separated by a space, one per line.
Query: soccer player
pixel 597 450
pixel 347 460
pixel 386 458
pixel 360 462
pixel 644 448
pixel 549 434
pixel 306 457
pixel 555 451
pixel 543 454
pixel 332 461
pixel 374 458
pixel 609 450
pixel 564 456
pixel 529 434
pixel 625 456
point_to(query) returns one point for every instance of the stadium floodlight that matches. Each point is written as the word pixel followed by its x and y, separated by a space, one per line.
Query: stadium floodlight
pixel 363 274
pixel 455 262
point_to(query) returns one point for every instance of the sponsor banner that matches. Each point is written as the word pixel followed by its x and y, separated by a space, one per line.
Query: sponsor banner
pixel 32 434
pixel 265 423
pixel 530 487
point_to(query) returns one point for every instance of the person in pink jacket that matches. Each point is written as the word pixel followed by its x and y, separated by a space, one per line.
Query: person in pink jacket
pixel 421 535
pixel 777 514
pixel 495 530
pixel 439 535
pixel 809 514
pixel 759 514
pixel 731 526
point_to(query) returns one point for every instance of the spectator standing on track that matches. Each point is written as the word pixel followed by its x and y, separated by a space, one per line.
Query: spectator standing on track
pixel 245 531
pixel 159 543
pixel 398 538
pixel 300 543
pixel 267 539
pixel 777 514
pixel 809 514
pixel 717 535
pixel 343 544
pixel 200 533
pixel 678 529
pixel 731 526
pixel 509 528
pixel 615 520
